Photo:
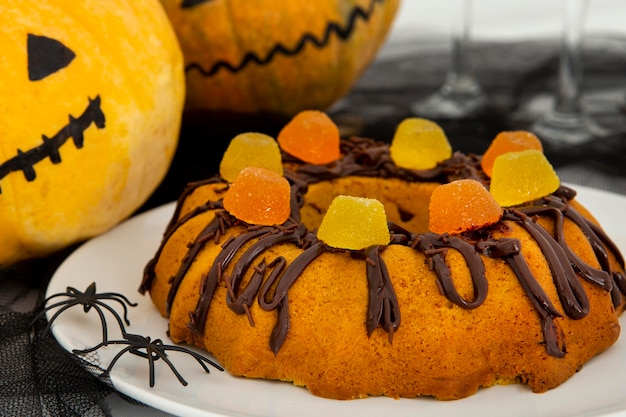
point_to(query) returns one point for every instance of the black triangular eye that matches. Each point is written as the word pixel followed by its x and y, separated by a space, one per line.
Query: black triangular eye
pixel 190 3
pixel 46 56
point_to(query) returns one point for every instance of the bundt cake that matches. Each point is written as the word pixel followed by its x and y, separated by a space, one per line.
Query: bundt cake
pixel 526 297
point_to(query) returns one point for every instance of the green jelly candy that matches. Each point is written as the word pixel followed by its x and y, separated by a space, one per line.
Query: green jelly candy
pixel 250 150
pixel 354 223
pixel 521 177
pixel 419 144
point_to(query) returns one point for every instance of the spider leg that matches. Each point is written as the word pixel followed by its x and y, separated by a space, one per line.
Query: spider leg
pixel 199 358
pixel 114 295
pixel 150 364
pixel 136 351
pixel 103 320
pixel 101 344
pixel 126 320
pixel 115 359
pixel 59 294
pixel 163 356
pixel 114 313
pixel 154 352
pixel 60 303
pixel 92 349
pixel 67 305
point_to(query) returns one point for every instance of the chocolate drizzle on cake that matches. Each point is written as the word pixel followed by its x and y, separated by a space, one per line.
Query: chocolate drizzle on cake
pixel 435 248
pixel 510 251
pixel 271 280
pixel 383 307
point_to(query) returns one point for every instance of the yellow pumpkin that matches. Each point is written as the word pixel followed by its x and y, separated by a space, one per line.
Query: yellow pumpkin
pixel 277 56
pixel 91 99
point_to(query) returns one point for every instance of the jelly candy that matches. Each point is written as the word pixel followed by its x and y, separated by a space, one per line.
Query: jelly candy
pixel 510 141
pixel 259 196
pixel 419 144
pixel 354 223
pixel 520 177
pixel 461 206
pixel 312 137
pixel 250 150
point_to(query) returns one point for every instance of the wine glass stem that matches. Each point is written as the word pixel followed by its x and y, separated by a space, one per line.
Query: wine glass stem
pixel 570 65
pixel 459 66
pixel 460 95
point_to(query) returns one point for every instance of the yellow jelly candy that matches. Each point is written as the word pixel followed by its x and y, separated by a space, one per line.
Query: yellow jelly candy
pixel 510 141
pixel 419 144
pixel 312 137
pixel 354 223
pixel 250 150
pixel 461 206
pixel 521 177
pixel 259 196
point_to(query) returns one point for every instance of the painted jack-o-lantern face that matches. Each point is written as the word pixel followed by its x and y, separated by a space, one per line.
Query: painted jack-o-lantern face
pixel 278 56
pixel 91 96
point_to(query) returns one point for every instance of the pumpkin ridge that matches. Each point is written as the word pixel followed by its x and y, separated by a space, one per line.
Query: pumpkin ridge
pixel 307 38
pixel 25 160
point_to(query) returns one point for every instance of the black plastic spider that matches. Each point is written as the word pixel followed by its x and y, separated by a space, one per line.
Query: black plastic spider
pixel 88 299
pixel 154 350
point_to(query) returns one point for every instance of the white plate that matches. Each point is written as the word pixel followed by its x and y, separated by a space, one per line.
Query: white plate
pixel 115 262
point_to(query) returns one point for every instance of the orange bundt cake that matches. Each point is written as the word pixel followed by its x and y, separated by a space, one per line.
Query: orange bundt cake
pixel 282 272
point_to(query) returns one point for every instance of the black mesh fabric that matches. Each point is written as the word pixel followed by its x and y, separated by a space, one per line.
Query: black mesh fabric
pixel 40 378
pixel 37 376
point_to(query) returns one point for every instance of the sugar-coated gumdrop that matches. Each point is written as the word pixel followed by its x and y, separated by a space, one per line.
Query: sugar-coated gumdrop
pixel 250 150
pixel 259 196
pixel 509 141
pixel 354 223
pixel 419 144
pixel 520 177
pixel 312 137
pixel 461 206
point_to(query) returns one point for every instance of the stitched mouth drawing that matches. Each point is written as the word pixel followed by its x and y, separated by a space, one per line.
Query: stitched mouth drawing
pixel 47 56
pixel 25 161
pixel 333 29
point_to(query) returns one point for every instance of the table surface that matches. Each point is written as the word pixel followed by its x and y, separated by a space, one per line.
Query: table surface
pixel 519 77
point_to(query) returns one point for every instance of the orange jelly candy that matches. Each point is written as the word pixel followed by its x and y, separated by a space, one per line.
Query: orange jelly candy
pixel 461 206
pixel 259 196
pixel 510 141
pixel 312 137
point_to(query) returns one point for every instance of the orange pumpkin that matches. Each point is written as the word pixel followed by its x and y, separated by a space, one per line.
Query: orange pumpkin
pixel 92 94
pixel 278 56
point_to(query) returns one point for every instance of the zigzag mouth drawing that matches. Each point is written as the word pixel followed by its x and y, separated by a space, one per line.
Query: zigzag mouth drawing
pixel 332 29
pixel 25 161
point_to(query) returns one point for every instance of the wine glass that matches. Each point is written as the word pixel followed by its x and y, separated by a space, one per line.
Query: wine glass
pixel 567 123
pixel 460 95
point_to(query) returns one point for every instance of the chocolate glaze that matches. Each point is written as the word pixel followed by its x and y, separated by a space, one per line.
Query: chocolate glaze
pixel 435 248
pixel 367 158
pixel 383 308
pixel 509 250
pixel 364 157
